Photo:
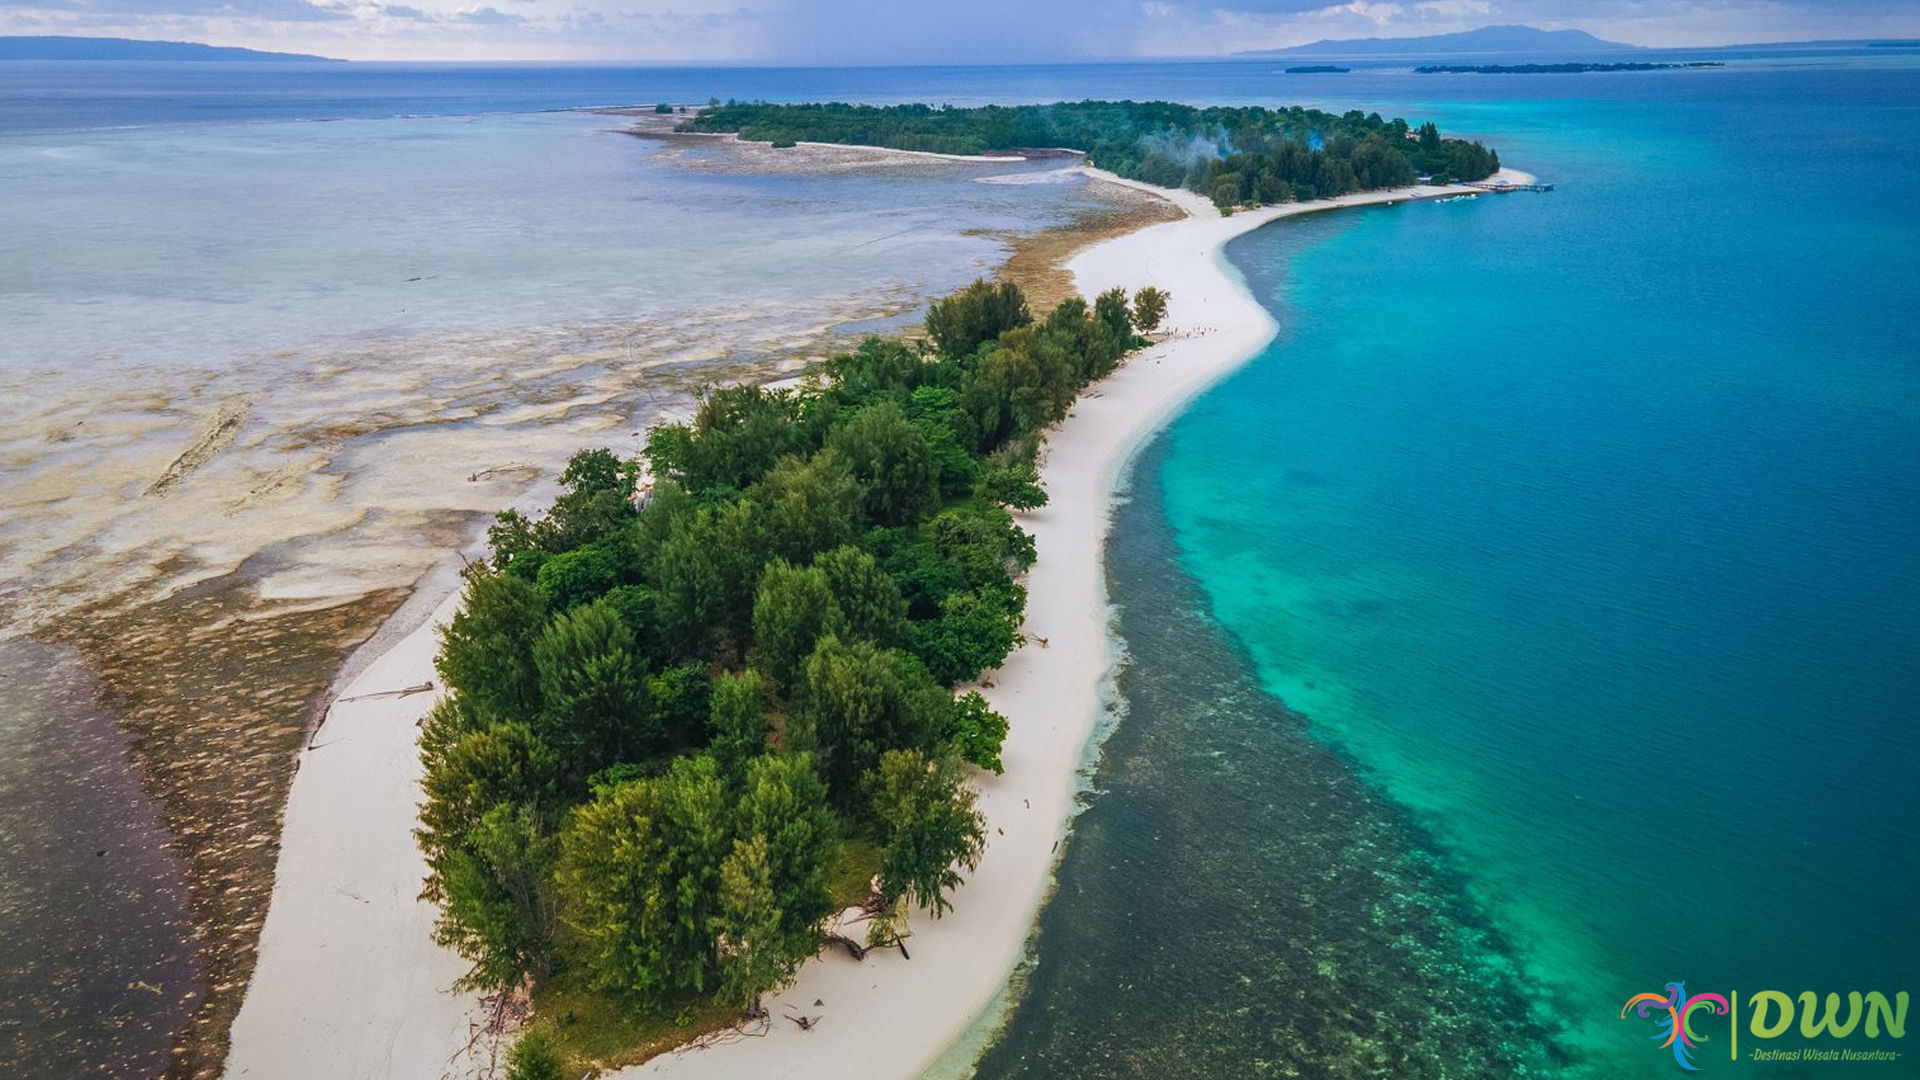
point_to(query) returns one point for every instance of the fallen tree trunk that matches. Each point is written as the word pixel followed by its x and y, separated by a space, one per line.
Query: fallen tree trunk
pixel 854 948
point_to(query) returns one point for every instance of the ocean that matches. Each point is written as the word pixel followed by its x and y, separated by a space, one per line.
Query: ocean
pixel 1550 586
pixel 1557 631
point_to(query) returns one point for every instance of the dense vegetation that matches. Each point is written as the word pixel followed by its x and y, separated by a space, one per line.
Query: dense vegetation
pixel 675 712
pixel 1552 69
pixel 1234 156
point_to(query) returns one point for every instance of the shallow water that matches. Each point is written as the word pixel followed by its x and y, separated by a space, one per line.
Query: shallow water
pixel 261 377
pixel 96 918
pixel 439 282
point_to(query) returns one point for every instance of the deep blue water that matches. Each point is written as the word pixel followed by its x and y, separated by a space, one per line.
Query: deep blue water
pixel 1585 527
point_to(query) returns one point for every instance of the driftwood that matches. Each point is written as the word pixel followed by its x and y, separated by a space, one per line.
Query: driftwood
pixel 488 474
pixel 405 691
pixel 854 948
pixel 325 708
pixel 506 1010
pixel 749 1026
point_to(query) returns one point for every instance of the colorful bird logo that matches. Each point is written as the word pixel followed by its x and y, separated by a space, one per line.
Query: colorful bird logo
pixel 1673 1026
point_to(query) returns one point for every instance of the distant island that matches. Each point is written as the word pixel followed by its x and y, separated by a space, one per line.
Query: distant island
pixel 1318 69
pixel 1236 157
pixel 53 47
pixel 1487 39
pixel 1552 69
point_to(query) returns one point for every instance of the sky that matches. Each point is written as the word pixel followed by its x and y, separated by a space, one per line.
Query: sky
pixel 913 31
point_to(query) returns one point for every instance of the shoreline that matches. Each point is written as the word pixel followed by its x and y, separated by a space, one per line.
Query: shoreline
pixel 348 980
pixel 649 125
pixel 939 1008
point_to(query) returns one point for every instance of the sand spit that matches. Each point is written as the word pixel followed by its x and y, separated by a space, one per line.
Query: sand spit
pixel 349 982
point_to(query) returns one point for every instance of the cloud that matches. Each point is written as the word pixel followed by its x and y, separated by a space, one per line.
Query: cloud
pixel 488 16
pixel 971 31
pixel 263 10
pixel 904 32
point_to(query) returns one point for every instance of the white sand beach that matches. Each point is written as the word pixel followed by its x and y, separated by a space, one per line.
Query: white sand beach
pixel 349 983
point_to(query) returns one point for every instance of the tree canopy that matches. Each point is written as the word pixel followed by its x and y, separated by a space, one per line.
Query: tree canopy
pixel 1234 156
pixel 663 722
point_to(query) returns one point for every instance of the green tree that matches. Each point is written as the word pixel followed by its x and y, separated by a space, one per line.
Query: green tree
pixel 596 499
pixel 867 600
pixel 484 832
pixel 500 764
pixel 856 702
pixel 1016 484
pixel 708 572
pixel 890 458
pixel 982 542
pixel 510 536
pixel 928 822
pixel 1006 396
pixel 1110 308
pixel 534 1058
pixel 1149 309
pixel 810 506
pixel 578 576
pixel 739 722
pixel 486 650
pixel 795 606
pixel 976 732
pixel 979 313
pixel 804 531
pixel 878 368
pixel 596 709
pixel 923 576
pixel 751 959
pixel 445 725
pixel 774 896
pixel 1429 142
pixel 639 607
pixel 740 534
pixel 975 631
pixel 680 701
pixel 1281 152
pixel 737 435
pixel 496 887
pixel 639 882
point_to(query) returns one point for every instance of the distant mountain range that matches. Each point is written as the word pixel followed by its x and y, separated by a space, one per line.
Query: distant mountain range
pixel 1486 40
pixel 109 48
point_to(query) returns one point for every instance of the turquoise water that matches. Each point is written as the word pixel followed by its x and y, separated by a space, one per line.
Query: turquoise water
pixel 1585 529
